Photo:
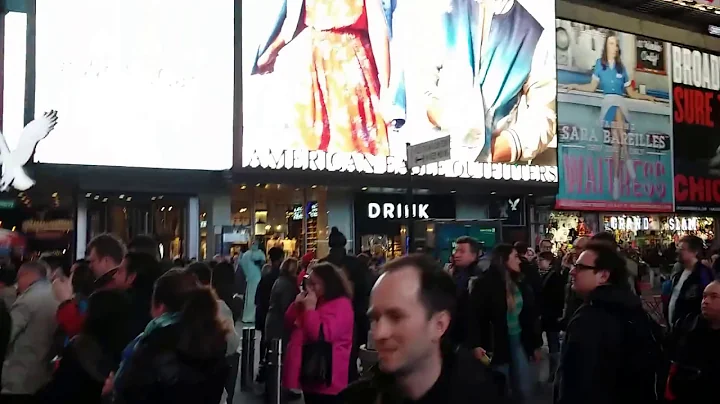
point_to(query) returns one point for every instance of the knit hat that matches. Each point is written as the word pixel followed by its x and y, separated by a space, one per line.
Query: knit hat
pixel 336 239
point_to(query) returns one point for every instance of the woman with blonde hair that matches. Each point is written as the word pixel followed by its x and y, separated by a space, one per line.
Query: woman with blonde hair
pixel 505 321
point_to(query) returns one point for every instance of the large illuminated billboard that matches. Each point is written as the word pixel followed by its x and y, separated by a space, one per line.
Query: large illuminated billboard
pixel 614 120
pixel 344 85
pixel 138 83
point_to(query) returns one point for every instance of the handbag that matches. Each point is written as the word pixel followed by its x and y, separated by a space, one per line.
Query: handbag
pixel 316 365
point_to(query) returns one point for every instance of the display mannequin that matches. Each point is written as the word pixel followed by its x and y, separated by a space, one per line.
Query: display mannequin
pixel 251 262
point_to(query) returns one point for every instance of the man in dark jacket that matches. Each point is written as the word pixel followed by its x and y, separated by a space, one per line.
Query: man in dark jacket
pixel 359 275
pixel 688 284
pixel 464 270
pixel 694 349
pixel 597 363
pixel 415 366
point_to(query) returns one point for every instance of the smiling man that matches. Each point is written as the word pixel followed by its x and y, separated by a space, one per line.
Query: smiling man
pixel 410 311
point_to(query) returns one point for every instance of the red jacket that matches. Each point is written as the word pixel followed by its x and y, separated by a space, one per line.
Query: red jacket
pixel 69 318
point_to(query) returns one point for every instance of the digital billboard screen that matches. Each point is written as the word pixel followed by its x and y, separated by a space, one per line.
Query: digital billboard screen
pixel 137 83
pixel 344 85
pixel 614 120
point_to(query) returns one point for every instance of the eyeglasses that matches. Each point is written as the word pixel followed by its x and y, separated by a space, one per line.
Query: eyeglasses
pixel 582 267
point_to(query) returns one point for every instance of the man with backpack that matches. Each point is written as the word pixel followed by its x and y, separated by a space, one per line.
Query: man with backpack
pixel 688 284
pixel 612 351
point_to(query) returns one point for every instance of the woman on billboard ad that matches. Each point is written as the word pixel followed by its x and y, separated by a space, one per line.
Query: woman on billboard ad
pixel 349 69
pixel 612 78
pixel 614 129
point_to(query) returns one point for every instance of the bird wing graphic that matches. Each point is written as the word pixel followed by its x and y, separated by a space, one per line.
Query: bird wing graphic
pixel 33 133
pixel 13 173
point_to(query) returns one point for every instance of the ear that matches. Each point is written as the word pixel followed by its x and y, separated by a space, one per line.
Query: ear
pixel 440 323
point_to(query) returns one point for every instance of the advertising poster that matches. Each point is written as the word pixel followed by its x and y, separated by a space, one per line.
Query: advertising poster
pixel 696 120
pixel 138 83
pixel 614 121
pixel 344 85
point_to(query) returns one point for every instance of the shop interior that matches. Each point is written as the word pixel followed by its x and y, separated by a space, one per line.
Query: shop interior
pixel 564 227
pixel 127 215
pixel 276 215
pixel 645 231
pixel 37 222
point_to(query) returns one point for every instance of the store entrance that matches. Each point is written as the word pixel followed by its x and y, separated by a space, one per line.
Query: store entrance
pixel 388 246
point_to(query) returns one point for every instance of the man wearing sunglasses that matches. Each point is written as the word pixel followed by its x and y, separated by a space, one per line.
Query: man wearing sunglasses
pixel 608 355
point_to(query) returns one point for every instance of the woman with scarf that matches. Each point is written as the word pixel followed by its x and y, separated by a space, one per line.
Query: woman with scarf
pixel 180 358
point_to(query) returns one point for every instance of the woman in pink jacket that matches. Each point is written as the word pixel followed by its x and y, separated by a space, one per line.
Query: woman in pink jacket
pixel 327 302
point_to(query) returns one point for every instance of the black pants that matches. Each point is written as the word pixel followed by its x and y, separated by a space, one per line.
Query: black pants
pixel 234 362
pixel 18 399
pixel 311 398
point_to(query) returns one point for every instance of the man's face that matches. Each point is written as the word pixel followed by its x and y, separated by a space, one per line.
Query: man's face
pixel 122 279
pixel 685 254
pixel 544 265
pixel 403 333
pixel 585 275
pixel 464 256
pixel 711 302
pixel 545 246
pixel 100 265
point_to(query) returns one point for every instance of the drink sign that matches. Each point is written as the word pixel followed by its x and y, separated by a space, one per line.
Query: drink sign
pixel 650 55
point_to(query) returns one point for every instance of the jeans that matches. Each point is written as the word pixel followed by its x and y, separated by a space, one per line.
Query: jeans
pixel 518 372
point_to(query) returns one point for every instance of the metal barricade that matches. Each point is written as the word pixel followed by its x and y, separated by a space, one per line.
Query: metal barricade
pixel 273 386
pixel 247 360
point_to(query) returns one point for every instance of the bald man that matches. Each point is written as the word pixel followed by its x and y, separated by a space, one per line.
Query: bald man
pixel 693 345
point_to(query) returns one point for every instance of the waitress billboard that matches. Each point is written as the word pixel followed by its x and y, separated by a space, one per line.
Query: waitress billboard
pixel 696 115
pixel 614 120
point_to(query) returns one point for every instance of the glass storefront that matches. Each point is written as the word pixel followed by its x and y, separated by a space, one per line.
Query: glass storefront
pixel 276 215
pixel 641 231
pixel 563 227
pixel 127 215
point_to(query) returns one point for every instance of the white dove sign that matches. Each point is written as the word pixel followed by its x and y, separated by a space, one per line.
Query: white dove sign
pixel 13 162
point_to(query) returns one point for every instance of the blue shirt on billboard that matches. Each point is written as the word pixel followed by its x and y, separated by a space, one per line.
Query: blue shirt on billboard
pixel 611 81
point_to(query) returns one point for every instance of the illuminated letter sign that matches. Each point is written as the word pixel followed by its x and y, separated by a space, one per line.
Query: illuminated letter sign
pixel 398 211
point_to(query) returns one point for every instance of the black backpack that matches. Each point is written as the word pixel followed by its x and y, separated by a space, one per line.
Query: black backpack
pixel 645 365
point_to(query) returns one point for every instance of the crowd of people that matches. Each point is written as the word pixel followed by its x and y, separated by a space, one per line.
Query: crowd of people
pixel 119 327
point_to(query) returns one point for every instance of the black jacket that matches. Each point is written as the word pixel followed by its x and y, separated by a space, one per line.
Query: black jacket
pixel 553 298
pixel 695 350
pixel 82 372
pixel 5 328
pixel 594 349
pixel 360 277
pixel 164 369
pixel 283 294
pixel 690 297
pixel 459 325
pixel 488 317
pixel 262 297
pixel 463 380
